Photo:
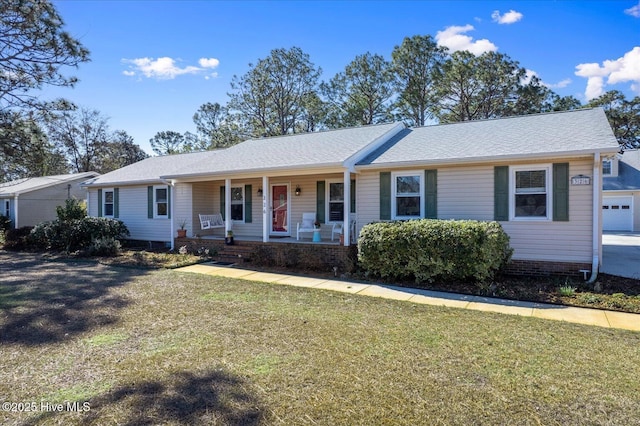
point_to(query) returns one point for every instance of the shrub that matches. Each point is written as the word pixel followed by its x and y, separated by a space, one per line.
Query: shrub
pixel 75 234
pixel 105 247
pixel 5 223
pixel 17 239
pixel 73 209
pixel 428 249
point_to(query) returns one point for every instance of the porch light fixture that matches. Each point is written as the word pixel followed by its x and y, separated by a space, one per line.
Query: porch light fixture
pixel 259 192
pixel 298 190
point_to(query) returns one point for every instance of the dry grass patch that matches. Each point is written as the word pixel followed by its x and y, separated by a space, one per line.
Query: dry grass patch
pixel 192 349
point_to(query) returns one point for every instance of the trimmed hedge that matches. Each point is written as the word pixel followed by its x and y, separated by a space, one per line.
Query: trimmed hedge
pixel 75 234
pixel 430 249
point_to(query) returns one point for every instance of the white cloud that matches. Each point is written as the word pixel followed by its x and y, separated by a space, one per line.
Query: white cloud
pixel 621 70
pixel 559 85
pixel 209 62
pixel 166 68
pixel 530 74
pixel 634 11
pixel 454 38
pixel 510 17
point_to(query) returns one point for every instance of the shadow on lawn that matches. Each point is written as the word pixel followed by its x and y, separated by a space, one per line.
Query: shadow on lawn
pixel 45 302
pixel 213 397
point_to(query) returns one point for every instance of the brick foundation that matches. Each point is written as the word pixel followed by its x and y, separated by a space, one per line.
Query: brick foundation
pixel 543 268
pixel 315 256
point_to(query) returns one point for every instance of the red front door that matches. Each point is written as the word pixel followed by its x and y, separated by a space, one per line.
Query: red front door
pixel 280 210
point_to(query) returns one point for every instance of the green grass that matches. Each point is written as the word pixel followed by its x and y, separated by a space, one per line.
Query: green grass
pixel 164 347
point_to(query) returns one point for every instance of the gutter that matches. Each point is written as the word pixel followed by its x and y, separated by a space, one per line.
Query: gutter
pixel 596 219
pixel 482 159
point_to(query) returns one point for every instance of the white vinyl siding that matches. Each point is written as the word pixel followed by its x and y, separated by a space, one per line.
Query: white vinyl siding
pixel 40 205
pixel 182 199
pixel 133 211
pixel 466 192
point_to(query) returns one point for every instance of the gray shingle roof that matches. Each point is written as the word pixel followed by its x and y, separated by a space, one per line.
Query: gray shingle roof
pixel 150 169
pixel 21 186
pixel 585 130
pixel 628 173
pixel 318 149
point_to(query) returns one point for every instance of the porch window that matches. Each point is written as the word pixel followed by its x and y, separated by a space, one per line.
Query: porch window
pixel 7 208
pixel 108 203
pixel 336 201
pixel 237 203
pixel 531 193
pixel 161 202
pixel 606 167
pixel 406 192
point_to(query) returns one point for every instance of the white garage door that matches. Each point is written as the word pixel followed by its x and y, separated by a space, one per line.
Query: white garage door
pixel 617 213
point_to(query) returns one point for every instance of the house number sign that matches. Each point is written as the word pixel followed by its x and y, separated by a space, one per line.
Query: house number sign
pixel 581 180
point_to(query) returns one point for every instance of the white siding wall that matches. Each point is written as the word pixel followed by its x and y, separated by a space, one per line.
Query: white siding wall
pixel 133 212
pixel 466 192
pixel 182 199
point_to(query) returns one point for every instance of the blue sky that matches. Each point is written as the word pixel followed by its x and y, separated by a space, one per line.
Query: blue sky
pixel 153 63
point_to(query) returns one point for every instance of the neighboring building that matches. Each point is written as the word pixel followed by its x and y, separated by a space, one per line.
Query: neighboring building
pixel 538 175
pixel 621 192
pixel 30 201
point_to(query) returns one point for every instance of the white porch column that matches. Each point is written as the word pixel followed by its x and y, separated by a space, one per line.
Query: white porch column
pixel 227 206
pixel 15 213
pixel 266 216
pixel 173 199
pixel 346 228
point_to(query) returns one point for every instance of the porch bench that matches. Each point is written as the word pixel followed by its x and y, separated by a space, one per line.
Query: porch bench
pixel 210 221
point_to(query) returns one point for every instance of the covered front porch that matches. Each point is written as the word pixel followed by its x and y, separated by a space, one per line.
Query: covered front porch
pixel 268 209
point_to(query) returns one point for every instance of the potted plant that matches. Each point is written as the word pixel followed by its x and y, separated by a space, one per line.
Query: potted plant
pixel 228 240
pixel 182 232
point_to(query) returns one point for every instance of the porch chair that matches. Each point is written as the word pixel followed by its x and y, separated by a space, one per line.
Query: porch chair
pixel 307 225
pixel 338 228
pixel 210 221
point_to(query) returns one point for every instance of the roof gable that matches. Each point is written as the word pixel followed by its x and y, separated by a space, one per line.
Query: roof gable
pixel 628 177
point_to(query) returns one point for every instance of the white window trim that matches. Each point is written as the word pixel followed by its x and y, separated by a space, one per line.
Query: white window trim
pixel 327 207
pixel 155 202
pixel 610 162
pixel 512 192
pixel 104 202
pixel 241 186
pixel 394 175
pixel 6 208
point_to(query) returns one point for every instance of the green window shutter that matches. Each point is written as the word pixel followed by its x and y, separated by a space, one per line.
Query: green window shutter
pixel 150 202
pixel 501 193
pixel 222 202
pixel 248 204
pixel 561 191
pixel 385 195
pixel 431 194
pixel 353 196
pixel 116 203
pixel 99 202
pixel 168 202
pixel 320 201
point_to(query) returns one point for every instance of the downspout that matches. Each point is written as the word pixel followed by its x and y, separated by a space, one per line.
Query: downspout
pixel 15 212
pixel 596 219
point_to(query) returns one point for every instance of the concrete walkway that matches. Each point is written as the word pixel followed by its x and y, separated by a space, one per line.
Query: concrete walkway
pixel 587 316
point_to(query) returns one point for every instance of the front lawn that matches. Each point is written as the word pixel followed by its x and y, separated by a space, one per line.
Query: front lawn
pixel 132 346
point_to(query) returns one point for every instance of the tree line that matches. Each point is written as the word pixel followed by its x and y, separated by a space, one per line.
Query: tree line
pixel 37 137
pixel 422 83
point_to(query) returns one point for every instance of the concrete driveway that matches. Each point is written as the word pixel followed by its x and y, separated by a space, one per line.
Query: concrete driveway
pixel 621 254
